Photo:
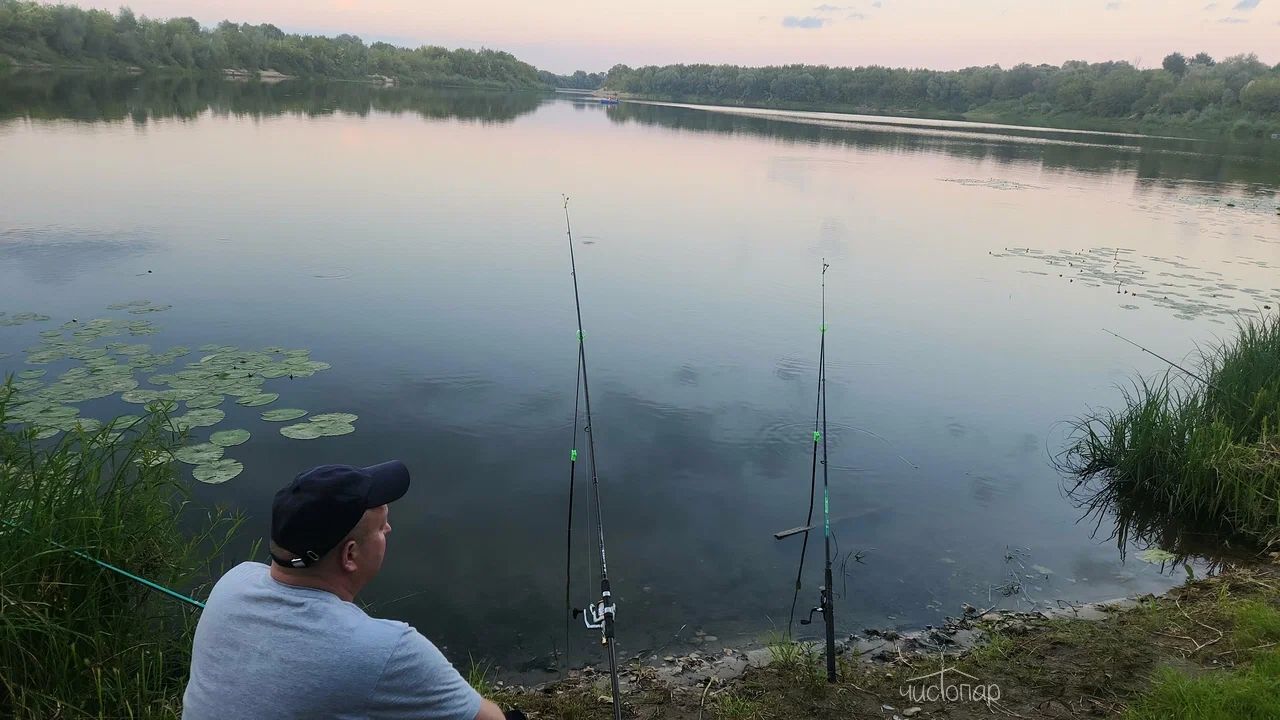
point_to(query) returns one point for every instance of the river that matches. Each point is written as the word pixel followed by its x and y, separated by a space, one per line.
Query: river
pixel 414 240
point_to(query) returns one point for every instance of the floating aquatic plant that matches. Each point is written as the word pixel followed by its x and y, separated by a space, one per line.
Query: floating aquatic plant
pixel 218 471
pixel 258 399
pixel 201 454
pixel 117 367
pixel 129 304
pixel 21 319
pixel 325 425
pixel 229 438
pixel 148 308
pixel 198 418
pixel 204 402
pixel 301 431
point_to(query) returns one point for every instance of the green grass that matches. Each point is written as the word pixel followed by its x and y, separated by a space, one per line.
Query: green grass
pixel 1251 694
pixel 736 707
pixel 1203 452
pixel 76 640
pixel 478 676
pixel 1242 693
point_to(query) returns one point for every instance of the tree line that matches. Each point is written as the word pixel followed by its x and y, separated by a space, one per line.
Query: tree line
pixel 1239 89
pixel 1239 94
pixel 31 32
pixel 580 80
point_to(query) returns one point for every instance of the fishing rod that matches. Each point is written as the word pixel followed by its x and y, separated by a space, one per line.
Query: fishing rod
pixel 1173 364
pixel 112 568
pixel 825 605
pixel 600 615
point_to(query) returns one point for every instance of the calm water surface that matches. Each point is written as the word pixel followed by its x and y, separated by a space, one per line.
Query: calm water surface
pixel 415 241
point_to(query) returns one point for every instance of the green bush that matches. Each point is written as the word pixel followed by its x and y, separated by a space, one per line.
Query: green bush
pixel 1203 451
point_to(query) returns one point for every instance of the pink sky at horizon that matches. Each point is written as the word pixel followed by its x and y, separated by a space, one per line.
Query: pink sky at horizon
pixel 566 35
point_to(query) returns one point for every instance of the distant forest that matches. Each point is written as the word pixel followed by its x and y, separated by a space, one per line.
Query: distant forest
pixel 1238 93
pixel 62 35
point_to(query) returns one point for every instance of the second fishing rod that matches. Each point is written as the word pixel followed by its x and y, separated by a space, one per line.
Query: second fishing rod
pixel 599 615
pixel 826 605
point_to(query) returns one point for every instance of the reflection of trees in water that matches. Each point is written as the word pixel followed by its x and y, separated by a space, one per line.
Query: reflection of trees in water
pixel 95 98
pixel 1149 158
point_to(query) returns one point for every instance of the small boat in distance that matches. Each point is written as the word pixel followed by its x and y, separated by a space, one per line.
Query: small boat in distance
pixel 608 99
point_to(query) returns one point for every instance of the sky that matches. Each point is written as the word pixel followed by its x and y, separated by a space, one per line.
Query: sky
pixel 567 35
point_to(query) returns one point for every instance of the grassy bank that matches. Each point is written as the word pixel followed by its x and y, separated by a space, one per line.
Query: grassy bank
pixel 1206 651
pixel 1195 448
pixel 1199 449
pixel 75 640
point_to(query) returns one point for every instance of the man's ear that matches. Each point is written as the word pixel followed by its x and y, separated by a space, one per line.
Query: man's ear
pixel 348 558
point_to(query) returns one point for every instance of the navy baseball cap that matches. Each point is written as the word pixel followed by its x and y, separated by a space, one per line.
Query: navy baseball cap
pixel 312 514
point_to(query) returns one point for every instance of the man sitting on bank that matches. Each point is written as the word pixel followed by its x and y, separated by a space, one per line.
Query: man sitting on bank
pixel 286 641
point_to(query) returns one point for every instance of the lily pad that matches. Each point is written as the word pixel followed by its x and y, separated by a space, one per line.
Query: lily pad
pixel 204 402
pixel 140 397
pixel 283 414
pixel 86 425
pixel 302 431
pixel 335 429
pixel 217 472
pixel 258 399
pixel 335 418
pixel 129 304
pixel 229 438
pixel 201 454
pixel 32 374
pixel 199 418
pixel 1156 556
pixel 149 309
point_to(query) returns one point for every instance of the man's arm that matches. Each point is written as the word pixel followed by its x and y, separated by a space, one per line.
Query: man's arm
pixel 489 711
pixel 419 683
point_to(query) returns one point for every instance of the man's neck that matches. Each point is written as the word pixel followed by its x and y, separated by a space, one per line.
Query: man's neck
pixel 315 581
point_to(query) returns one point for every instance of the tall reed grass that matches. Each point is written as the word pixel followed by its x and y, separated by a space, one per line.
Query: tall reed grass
pixel 1203 452
pixel 76 640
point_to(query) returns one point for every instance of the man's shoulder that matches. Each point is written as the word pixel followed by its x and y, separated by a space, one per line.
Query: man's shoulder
pixel 246 570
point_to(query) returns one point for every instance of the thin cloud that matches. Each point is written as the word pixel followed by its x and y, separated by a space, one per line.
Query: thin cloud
pixel 824 8
pixel 1210 6
pixel 1233 21
pixel 855 16
pixel 877 4
pixel 1113 6
pixel 807 22
pixel 1246 5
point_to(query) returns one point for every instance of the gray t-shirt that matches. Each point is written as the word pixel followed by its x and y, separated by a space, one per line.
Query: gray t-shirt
pixel 264 649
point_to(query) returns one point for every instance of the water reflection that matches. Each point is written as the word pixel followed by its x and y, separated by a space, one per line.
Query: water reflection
pixel 1168 160
pixel 91 97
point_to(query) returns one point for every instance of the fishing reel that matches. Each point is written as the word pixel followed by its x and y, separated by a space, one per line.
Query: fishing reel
pixel 823 602
pixel 599 616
